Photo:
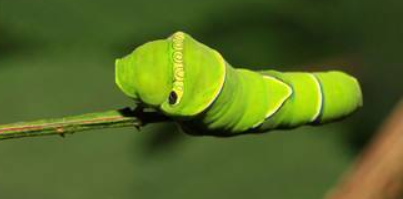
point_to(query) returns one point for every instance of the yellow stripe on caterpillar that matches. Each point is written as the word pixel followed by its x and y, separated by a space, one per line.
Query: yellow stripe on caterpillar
pixel 178 65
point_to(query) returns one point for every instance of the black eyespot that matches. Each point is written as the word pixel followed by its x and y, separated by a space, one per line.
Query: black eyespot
pixel 173 97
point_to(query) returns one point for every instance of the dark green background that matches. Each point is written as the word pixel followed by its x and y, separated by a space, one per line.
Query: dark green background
pixel 56 59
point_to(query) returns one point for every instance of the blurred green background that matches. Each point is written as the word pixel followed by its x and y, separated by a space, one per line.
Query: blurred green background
pixel 56 59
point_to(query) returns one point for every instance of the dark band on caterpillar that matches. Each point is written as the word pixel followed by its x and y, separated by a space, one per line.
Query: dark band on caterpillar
pixel 322 104
pixel 320 95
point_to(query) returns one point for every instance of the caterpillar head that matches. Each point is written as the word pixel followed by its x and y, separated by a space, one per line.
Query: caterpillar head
pixel 178 75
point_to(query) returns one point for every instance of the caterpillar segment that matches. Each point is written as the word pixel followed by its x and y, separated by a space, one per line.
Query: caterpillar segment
pixel 302 107
pixel 193 84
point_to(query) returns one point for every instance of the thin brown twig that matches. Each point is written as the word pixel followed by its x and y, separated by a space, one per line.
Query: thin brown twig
pixel 91 121
pixel 378 173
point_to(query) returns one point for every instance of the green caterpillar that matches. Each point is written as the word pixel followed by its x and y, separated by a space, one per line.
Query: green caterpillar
pixel 194 85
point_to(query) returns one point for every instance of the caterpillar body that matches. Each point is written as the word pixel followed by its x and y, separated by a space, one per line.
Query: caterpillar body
pixel 194 85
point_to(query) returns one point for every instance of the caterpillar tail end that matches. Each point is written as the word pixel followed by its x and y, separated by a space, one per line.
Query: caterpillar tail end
pixel 342 95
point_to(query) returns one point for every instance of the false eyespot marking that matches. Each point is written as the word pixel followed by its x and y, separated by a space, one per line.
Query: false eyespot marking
pixel 178 72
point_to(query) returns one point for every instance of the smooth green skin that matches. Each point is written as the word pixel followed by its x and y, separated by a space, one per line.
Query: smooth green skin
pixel 341 95
pixel 223 101
pixel 146 75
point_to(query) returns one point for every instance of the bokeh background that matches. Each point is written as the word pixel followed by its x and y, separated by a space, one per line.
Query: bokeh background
pixel 57 56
